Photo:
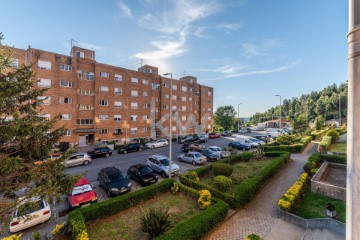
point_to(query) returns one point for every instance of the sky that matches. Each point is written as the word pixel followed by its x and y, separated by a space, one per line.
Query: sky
pixel 247 50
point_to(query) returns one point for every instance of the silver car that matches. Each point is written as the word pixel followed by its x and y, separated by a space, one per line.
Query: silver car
pixel 192 157
pixel 157 143
pixel 77 159
pixel 223 154
pixel 161 164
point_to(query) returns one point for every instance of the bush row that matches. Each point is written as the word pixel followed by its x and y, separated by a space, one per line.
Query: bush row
pixel 324 144
pixel 316 159
pixel 293 195
pixel 294 148
pixel 318 133
pixel 216 213
pixel 246 190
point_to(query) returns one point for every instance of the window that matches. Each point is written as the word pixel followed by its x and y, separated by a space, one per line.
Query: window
pixel 166 107
pixel 104 117
pixel 183 99
pixel 148 70
pixel 155 86
pixel 118 91
pixel 158 99
pixel 85 121
pixel 86 75
pixel 145 94
pixel 133 130
pixel 174 128
pixel 104 89
pixel 134 80
pixel 146 105
pixel 133 118
pixel 68 133
pixel 118 77
pixel 117 104
pixel 117 131
pixel 46 115
pixel 42 82
pixel 79 54
pixel 191 89
pixel 209 109
pixel 117 118
pixel 145 81
pixel 183 128
pixel 65 100
pixel 86 92
pixel 190 99
pixel 44 65
pixel 197 94
pixel 183 88
pixel 104 102
pixel 134 93
pixel 15 63
pixel 174 107
pixel 145 129
pixel 145 117
pixel 85 107
pixel 157 110
pixel 103 131
pixel 183 108
pixel 134 105
pixel 209 126
pixel 209 93
pixel 174 87
pixel 190 108
pixel 174 97
pixel 65 84
pixel 166 85
pixel 65 117
pixel 183 118
pixel 166 95
pixel 104 74
pixel 65 67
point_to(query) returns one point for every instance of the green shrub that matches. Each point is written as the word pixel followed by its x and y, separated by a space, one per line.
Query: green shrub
pixel 318 133
pixel 295 148
pixel 334 135
pixel 316 159
pixel 324 144
pixel 253 237
pixel 222 169
pixel 259 153
pixel 193 176
pixel 155 221
pixel 223 183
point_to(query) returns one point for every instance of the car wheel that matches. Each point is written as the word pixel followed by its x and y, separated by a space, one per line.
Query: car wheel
pixel 194 163
pixel 163 174
pixel 152 146
pixel 208 159
pixel 140 149
pixel 86 162
pixel 125 152
pixel 107 155
pixel 164 145
pixel 180 160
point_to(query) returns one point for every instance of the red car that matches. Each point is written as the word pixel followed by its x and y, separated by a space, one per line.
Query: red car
pixel 82 194
pixel 214 135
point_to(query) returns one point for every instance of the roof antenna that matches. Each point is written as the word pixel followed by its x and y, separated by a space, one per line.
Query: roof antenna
pixel 72 41
pixel 141 62
pixel 184 74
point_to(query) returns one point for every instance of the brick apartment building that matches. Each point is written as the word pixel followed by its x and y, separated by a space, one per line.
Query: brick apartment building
pixel 100 102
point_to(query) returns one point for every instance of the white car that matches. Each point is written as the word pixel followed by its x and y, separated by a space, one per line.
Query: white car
pixel 193 157
pixel 30 213
pixel 157 143
pixel 257 141
pixel 223 154
pixel 77 159
pixel 161 164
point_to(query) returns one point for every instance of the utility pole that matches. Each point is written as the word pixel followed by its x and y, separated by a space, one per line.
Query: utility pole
pixel 339 110
pixel 280 109
pixel 239 116
pixel 170 118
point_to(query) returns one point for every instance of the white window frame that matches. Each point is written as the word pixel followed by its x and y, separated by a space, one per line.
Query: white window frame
pixel 68 133
pixel 145 81
pixel 184 88
pixel 166 85
pixel 43 82
pixel 118 77
pixel 134 105
pixel 65 67
pixel 79 54
pixel 118 91
pixel 145 117
pixel 65 100
pixel 42 64
pixel 103 131
pixel 145 93
pixel 104 74
pixel 174 87
pixel 63 83
pixel 66 116
pixel 103 88
pixel 134 80
pixel 134 93
pixel 166 95
pixel 155 86
pixel 104 103
pixel 117 117
pixel 133 118
pixel 104 117
pixel 133 130
pixel 117 104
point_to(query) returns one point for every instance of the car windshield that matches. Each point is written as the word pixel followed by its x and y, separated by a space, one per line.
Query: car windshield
pixel 165 162
pixel 207 151
pixel 197 155
pixel 116 177
pixel 144 170
pixel 30 207
pixel 81 189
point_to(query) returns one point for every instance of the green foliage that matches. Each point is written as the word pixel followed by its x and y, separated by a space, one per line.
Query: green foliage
pixel 334 135
pixel 324 144
pixel 318 133
pixel 253 237
pixel 295 148
pixel 222 169
pixel 259 153
pixel 225 116
pixel 316 159
pixel 223 183
pixel 286 139
pixel 155 221
pixel 193 176
pixel 319 122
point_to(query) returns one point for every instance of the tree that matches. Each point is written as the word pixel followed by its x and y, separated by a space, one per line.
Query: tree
pixel 319 122
pixel 26 137
pixel 299 124
pixel 225 116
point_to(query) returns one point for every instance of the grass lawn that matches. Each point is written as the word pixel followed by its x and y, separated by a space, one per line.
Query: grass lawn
pixel 242 171
pixel 338 147
pixel 127 225
pixel 313 205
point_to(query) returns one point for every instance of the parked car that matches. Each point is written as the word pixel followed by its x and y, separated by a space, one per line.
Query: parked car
pixel 255 140
pixel 192 157
pixel 51 157
pixel 113 181
pixel 100 152
pixel 259 129
pixel 161 164
pixel 131 147
pixel 214 135
pixel 143 174
pixel 245 140
pixel 239 146
pixel 28 213
pixel 210 155
pixel 223 154
pixel 82 194
pixel 203 138
pixel 77 159
pixel 226 133
pixel 192 147
pixel 157 143
pixel 186 139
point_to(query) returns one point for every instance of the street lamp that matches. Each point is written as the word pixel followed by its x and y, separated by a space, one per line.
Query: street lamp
pixel 170 127
pixel 239 117
pixel 280 108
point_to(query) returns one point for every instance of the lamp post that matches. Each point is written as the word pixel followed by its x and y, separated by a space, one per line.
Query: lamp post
pixel 280 108
pixel 170 127
pixel 239 116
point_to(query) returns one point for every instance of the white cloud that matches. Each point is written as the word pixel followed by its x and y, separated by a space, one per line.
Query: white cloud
pixel 226 69
pixel 253 50
pixel 124 9
pixel 229 26
pixel 89 46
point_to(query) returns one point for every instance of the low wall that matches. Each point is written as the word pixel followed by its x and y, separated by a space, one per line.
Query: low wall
pixel 327 189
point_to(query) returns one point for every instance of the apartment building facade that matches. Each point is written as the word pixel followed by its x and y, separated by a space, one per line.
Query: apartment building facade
pixel 99 102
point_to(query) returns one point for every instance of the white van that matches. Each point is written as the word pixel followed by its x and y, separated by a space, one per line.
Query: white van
pixel 246 141
pixel 273 132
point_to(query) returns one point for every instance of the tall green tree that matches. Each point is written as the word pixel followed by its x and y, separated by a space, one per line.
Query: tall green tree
pixel 26 137
pixel 225 116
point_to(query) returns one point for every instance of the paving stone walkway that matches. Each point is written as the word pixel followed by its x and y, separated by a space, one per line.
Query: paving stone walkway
pixel 260 215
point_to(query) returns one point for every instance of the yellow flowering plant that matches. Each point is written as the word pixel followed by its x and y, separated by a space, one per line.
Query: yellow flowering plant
pixel 292 196
pixel 13 237
pixel 59 229
pixel 175 188
pixel 83 235
pixel 204 199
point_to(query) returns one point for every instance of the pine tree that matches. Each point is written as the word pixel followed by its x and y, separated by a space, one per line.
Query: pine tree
pixel 26 137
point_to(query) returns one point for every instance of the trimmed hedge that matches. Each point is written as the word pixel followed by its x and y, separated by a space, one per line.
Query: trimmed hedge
pixel 294 148
pixel 318 133
pixel 247 189
pixel 293 195
pixel 316 159
pixel 78 217
pixel 324 144
pixel 333 134
pixel 223 169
